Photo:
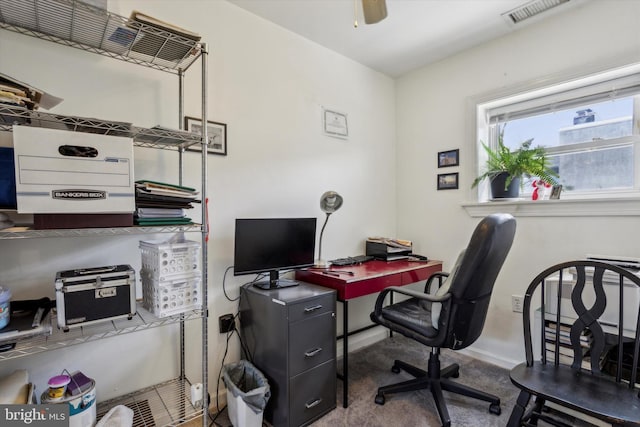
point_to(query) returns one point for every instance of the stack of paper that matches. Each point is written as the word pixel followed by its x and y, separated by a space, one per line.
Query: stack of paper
pixel 15 96
pixel 393 243
pixel 159 203
pixel 15 92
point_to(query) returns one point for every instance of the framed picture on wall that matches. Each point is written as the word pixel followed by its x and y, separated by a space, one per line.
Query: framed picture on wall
pixel 448 181
pixel 449 158
pixel 555 192
pixel 334 123
pixel 217 133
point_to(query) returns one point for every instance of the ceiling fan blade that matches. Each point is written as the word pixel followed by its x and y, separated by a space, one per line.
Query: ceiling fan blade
pixel 374 10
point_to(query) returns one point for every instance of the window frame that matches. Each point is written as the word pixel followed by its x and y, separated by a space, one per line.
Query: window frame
pixel 531 99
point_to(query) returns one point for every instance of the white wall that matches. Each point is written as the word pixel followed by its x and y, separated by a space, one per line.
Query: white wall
pixel 268 85
pixel 432 107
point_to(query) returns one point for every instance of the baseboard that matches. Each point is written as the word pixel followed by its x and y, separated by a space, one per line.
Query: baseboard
pixel 372 336
pixel 363 339
pixel 213 408
pixel 484 356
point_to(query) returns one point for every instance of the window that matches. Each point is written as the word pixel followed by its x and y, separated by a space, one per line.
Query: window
pixel 588 127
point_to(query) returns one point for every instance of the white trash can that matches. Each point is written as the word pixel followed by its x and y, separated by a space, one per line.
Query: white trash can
pixel 247 393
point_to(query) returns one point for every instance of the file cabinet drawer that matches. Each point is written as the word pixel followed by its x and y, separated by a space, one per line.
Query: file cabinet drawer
pixel 291 334
pixel 312 342
pixel 313 307
pixel 313 393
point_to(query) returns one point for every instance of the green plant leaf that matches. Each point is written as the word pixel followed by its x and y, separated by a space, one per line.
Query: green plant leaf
pixel 524 161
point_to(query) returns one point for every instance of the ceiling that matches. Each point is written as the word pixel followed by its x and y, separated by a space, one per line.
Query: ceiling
pixel 414 34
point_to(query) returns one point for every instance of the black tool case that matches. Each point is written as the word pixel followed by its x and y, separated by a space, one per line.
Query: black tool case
pixel 92 295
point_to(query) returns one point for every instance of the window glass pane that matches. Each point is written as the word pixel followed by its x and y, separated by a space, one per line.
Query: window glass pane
pixel 589 127
pixel 594 170
pixel 597 121
pixel 602 169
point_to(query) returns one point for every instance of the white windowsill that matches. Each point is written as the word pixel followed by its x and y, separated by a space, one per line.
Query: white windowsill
pixel 628 206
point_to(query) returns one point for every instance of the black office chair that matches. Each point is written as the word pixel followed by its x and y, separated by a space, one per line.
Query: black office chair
pixel 451 318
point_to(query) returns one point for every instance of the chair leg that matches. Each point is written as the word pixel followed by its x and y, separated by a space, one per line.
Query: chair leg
pixel 452 370
pixel 441 405
pixel 515 420
pixel 464 390
pixel 436 380
pixel 409 385
pixel 537 411
pixel 416 372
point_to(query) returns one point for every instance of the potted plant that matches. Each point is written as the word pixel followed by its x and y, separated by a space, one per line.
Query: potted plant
pixel 505 168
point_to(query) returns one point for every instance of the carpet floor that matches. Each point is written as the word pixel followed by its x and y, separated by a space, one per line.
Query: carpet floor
pixel 370 368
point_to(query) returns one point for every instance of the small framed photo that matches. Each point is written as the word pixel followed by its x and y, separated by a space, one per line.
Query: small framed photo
pixel 217 133
pixel 335 124
pixel 449 158
pixel 448 181
pixel 555 192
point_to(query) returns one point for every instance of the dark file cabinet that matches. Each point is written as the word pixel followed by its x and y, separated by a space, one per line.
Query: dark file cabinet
pixel 290 334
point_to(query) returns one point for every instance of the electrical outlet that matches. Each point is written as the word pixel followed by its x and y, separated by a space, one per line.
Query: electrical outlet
pixel 517 303
pixel 226 323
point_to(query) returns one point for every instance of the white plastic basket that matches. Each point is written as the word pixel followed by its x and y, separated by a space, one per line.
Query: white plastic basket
pixel 170 297
pixel 169 260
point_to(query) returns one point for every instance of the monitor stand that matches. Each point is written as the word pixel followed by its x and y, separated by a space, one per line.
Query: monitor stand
pixel 275 282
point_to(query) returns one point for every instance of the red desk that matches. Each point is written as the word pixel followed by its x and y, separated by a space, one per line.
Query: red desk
pixel 368 278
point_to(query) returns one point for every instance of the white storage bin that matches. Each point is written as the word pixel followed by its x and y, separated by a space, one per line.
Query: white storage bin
pixel 59 171
pixel 170 297
pixel 170 260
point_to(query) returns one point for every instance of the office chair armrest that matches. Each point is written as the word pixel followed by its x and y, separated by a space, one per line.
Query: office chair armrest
pixel 438 275
pixel 409 292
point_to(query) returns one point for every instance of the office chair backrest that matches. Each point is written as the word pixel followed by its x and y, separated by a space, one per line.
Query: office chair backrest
pixel 472 285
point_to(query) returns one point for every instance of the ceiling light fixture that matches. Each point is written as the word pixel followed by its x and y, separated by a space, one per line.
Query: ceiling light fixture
pixel 374 11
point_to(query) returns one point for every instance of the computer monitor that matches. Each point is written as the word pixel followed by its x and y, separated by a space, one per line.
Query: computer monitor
pixel 268 245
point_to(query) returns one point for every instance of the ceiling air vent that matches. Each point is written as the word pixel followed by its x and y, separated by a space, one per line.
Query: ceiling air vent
pixel 531 9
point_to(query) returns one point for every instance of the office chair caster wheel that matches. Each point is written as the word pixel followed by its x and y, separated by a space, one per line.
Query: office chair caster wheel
pixel 495 408
pixel 380 399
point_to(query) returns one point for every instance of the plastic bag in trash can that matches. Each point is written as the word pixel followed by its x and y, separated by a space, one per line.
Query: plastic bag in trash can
pixel 245 380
